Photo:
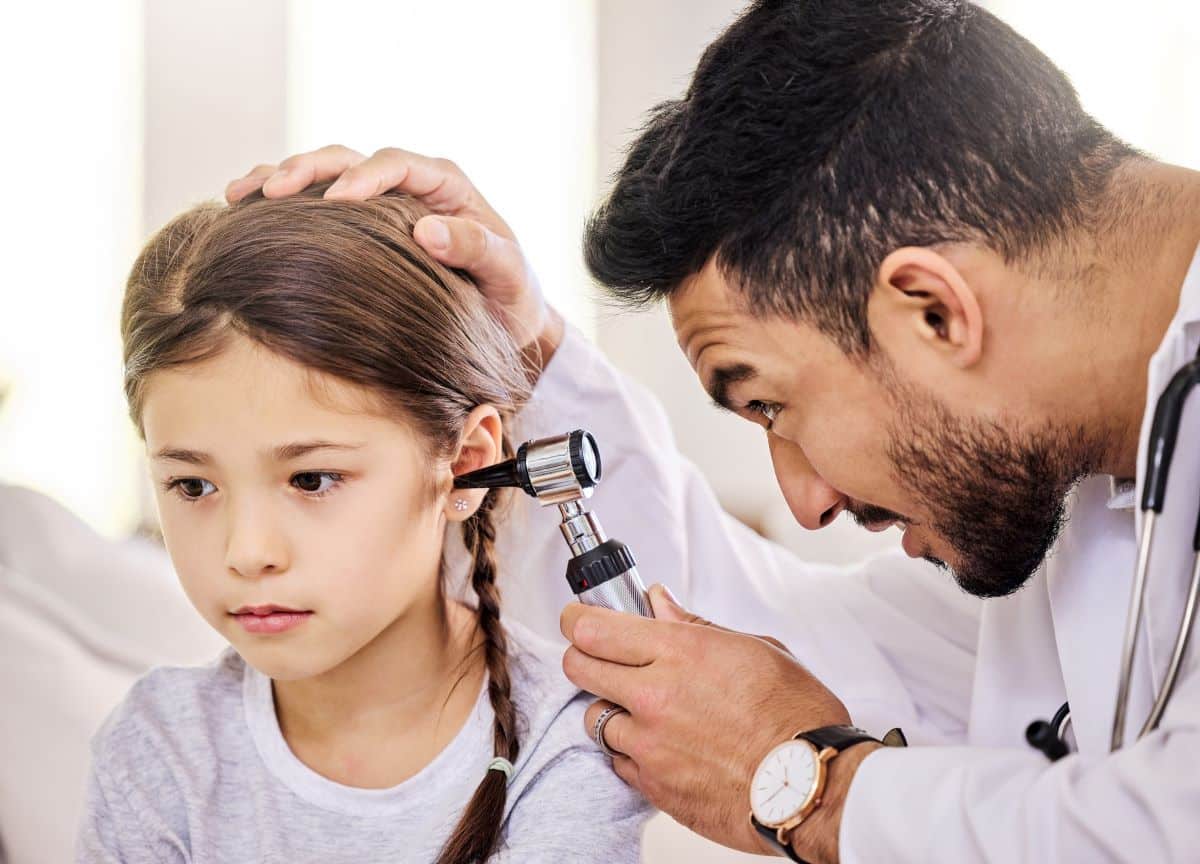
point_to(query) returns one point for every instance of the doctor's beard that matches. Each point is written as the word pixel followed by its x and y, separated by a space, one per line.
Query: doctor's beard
pixel 997 497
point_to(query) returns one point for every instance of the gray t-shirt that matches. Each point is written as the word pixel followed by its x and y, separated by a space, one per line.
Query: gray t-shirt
pixel 192 766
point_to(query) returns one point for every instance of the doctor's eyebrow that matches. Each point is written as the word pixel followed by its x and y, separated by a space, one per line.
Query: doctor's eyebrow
pixel 724 378
pixel 282 453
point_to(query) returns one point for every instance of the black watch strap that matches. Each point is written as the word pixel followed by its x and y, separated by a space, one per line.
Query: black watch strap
pixel 772 837
pixel 837 737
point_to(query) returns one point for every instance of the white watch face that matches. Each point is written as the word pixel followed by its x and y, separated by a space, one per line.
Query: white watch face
pixel 783 782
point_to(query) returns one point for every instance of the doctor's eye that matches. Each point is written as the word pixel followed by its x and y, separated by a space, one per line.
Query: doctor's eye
pixel 316 483
pixel 768 410
pixel 190 489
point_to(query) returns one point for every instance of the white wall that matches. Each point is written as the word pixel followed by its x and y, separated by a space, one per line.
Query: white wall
pixel 506 90
pixel 215 97
pixel 1136 67
pixel 72 154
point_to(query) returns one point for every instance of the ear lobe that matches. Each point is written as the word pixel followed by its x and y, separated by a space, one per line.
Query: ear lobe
pixel 922 301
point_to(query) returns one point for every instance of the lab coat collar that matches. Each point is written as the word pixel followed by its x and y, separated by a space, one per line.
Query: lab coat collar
pixel 1171 559
pixel 1122 494
pixel 1090 573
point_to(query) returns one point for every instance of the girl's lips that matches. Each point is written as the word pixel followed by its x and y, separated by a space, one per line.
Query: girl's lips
pixel 270 621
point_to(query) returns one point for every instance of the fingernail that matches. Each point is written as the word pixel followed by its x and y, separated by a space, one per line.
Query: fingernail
pixel 671 595
pixel 437 234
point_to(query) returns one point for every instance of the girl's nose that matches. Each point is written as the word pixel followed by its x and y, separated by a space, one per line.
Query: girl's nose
pixel 256 547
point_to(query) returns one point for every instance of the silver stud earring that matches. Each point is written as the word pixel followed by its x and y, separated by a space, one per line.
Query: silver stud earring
pixel 460 504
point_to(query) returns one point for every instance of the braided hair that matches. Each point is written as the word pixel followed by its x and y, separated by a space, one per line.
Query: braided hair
pixel 478 831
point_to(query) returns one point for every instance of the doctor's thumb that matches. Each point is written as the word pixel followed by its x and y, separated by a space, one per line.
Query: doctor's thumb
pixel 667 608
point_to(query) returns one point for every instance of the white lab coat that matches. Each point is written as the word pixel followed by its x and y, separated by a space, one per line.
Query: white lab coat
pixel 902 645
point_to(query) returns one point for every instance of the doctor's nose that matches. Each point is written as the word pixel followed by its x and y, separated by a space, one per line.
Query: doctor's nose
pixel 255 546
pixel 813 502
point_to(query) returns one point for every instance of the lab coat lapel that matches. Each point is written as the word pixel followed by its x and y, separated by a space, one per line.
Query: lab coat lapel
pixel 1017 678
pixel 1089 576
pixel 1171 559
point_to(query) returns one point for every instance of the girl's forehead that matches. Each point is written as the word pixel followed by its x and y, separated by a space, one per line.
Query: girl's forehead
pixel 247 391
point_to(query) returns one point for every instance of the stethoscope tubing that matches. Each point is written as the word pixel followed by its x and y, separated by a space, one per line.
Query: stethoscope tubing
pixel 1177 654
pixel 1164 434
pixel 1049 737
pixel 1133 623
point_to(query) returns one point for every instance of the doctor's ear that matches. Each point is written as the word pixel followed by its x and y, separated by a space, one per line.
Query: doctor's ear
pixel 480 444
pixel 922 308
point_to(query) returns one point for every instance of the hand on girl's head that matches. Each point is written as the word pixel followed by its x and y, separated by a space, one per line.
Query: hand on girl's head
pixel 465 232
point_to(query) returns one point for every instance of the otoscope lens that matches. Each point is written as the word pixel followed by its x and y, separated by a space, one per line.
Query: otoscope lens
pixel 591 459
pixel 585 458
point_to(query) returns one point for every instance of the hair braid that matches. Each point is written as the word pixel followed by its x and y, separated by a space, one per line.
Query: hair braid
pixel 477 833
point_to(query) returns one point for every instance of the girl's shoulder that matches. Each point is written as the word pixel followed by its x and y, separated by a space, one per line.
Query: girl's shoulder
pixel 535 665
pixel 171 713
pixel 564 796
pixel 550 708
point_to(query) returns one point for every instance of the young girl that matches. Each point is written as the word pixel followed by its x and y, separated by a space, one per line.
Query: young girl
pixel 308 382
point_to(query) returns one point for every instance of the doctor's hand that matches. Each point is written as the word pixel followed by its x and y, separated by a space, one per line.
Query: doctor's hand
pixel 705 705
pixel 465 231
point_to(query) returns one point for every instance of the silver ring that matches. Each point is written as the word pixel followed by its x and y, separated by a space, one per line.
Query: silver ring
pixel 598 730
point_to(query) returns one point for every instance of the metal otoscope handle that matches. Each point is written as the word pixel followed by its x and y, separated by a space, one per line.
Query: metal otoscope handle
pixel 564 471
pixel 601 572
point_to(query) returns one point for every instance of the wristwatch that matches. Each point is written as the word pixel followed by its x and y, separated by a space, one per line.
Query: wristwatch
pixel 790 780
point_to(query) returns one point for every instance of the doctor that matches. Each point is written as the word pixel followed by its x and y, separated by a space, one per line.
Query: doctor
pixel 889 235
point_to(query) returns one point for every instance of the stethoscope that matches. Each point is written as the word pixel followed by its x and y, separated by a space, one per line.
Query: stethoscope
pixel 1051 736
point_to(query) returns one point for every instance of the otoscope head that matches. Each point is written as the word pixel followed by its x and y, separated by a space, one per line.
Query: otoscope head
pixel 553 470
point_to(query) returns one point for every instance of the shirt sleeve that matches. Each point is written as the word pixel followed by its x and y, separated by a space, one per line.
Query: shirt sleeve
pixel 973 805
pixel 893 638
pixel 122 822
pixel 575 810
pixel 111 832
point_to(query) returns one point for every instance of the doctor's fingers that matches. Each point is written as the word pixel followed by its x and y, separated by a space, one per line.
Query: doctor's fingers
pixel 620 736
pixel 623 638
pixel 238 189
pixel 294 174
pixel 496 263
pixel 667 608
pixel 438 183
pixel 633 687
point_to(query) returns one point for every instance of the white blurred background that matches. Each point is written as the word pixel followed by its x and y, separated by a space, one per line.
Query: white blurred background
pixel 119 114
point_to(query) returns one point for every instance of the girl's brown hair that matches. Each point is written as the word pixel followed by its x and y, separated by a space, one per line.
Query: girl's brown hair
pixel 342 288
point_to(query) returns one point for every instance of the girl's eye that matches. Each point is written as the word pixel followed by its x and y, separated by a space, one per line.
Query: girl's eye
pixel 768 410
pixel 190 488
pixel 316 483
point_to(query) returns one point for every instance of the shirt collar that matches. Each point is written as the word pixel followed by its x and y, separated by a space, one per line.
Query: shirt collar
pixel 1122 494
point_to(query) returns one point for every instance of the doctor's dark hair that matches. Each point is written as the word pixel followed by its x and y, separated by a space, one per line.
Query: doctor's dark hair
pixel 817 136
pixel 343 288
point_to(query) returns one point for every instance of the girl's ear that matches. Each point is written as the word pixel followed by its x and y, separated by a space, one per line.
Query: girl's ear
pixel 481 444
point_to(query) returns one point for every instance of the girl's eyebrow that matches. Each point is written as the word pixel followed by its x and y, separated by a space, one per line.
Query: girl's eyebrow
pixel 282 453
pixel 288 452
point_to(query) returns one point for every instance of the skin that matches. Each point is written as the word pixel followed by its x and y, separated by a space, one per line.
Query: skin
pixel 382 675
pixel 958 326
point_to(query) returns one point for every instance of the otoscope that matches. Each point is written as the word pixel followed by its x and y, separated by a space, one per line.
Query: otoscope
pixel 564 470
